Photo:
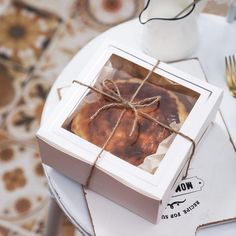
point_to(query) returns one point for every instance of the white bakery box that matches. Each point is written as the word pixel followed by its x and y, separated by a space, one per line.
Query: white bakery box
pixel 143 184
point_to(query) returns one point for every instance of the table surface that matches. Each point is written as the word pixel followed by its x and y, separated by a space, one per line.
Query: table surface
pixel 214 28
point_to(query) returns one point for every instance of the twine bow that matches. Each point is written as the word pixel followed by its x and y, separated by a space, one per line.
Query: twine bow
pixel 118 101
pixel 115 95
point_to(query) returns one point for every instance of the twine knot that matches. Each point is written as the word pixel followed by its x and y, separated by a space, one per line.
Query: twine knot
pixel 113 92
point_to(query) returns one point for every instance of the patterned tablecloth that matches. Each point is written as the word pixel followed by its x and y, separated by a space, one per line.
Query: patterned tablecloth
pixel 37 39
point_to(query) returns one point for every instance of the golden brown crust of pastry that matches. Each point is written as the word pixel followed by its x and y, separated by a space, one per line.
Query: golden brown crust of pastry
pixel 146 137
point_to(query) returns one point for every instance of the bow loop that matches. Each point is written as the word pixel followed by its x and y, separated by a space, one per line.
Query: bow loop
pixel 114 90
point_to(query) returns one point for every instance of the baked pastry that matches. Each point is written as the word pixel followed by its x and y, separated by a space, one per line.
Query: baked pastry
pixel 147 136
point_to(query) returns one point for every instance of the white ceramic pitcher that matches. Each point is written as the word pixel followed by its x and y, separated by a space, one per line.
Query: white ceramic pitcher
pixel 165 36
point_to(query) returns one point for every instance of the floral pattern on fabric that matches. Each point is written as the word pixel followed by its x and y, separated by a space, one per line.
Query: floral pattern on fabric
pixel 37 40
pixel 25 33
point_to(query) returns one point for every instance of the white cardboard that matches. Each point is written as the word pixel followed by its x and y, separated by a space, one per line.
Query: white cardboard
pixel 151 185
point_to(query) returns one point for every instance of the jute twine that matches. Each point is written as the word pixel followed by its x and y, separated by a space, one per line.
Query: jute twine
pixel 114 94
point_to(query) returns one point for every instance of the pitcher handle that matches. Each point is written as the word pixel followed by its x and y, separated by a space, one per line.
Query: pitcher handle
pixel 156 18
